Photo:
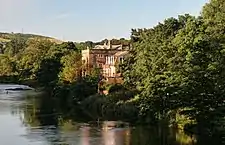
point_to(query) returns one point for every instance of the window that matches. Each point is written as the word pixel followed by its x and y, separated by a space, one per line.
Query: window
pixel 107 60
pixel 112 59
pixel 100 65
pixel 100 55
pixel 121 59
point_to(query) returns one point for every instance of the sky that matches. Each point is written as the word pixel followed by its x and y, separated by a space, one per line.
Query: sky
pixel 81 20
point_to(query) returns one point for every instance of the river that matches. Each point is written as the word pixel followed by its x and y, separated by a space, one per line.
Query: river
pixel 26 121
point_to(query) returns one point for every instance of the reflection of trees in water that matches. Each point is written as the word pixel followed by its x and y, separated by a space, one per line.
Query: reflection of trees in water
pixel 184 138
pixel 40 115
pixel 116 137
pixel 159 136
pixel 46 113
pixel 211 140
pixel 40 111
pixel 45 120
pixel 15 110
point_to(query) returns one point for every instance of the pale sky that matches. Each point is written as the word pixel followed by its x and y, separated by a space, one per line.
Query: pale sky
pixel 80 20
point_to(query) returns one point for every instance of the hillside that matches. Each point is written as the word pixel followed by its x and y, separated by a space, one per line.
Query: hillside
pixel 5 37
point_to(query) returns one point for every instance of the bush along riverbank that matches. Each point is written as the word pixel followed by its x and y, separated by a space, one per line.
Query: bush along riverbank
pixel 9 79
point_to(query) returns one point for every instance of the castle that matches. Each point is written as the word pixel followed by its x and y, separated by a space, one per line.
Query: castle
pixel 105 57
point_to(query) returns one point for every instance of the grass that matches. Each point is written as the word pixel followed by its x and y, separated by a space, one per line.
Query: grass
pixel 6 37
pixel 4 40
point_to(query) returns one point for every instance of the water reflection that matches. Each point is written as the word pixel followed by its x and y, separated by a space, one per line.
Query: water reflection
pixel 38 120
pixel 118 136
pixel 45 121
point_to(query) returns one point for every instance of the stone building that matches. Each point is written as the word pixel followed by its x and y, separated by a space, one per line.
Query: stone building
pixel 105 57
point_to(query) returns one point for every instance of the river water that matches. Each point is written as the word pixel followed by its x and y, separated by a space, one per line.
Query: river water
pixel 24 121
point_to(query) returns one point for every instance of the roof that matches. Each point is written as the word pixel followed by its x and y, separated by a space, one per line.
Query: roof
pixel 108 47
pixel 121 53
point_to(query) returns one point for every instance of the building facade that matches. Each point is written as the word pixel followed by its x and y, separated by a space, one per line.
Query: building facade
pixel 105 58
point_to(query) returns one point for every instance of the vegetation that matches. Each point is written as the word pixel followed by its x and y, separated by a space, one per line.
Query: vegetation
pixel 6 37
pixel 179 64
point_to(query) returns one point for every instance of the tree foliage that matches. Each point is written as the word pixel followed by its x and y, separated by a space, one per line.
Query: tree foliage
pixel 180 64
pixel 72 67
pixel 7 65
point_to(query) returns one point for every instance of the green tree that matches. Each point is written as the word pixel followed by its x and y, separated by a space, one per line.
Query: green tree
pixel 69 46
pixel 47 74
pixel 30 60
pixel 7 65
pixel 72 67
pixel 16 45
pixel 1 48
pixel 214 17
pixel 150 66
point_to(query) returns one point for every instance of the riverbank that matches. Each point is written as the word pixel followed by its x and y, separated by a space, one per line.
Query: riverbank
pixel 17 80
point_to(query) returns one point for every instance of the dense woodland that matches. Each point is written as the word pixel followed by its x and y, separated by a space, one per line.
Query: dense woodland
pixel 175 73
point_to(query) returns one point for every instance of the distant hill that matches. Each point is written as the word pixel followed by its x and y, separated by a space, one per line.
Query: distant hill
pixel 6 37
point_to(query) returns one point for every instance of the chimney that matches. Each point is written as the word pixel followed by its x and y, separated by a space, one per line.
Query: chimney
pixel 109 44
pixel 105 43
